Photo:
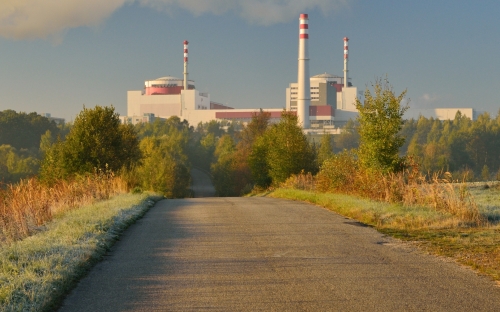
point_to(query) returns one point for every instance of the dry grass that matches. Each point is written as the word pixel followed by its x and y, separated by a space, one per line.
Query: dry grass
pixel 342 174
pixel 25 207
pixel 439 192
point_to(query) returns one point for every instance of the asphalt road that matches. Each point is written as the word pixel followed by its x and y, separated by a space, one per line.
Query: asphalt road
pixel 263 254
pixel 201 184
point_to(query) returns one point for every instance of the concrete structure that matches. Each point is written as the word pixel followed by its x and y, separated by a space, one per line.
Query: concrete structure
pixel 346 59
pixel 186 86
pixel 303 84
pixel 170 96
pixel 319 100
pixel 328 90
pixel 441 113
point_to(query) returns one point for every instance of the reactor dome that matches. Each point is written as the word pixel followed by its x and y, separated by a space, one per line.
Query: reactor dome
pixel 166 86
pixel 326 76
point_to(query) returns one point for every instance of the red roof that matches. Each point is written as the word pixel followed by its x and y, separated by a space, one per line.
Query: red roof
pixel 241 115
pixel 324 110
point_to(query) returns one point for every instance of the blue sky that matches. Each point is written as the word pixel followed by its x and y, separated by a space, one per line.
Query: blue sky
pixel 56 57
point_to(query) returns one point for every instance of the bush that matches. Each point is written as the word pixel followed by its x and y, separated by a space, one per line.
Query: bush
pixel 97 141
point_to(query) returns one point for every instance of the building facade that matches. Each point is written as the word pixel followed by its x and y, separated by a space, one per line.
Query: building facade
pixel 327 91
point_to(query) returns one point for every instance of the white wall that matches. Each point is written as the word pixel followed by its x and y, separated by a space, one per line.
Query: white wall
pixel 349 95
pixel 160 105
pixel 133 103
pixel 439 113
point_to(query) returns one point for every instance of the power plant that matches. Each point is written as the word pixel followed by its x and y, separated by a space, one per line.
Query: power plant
pixel 321 102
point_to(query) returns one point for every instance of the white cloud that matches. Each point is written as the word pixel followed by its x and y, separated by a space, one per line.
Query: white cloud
pixel 263 12
pixel 428 98
pixel 29 19
pixel 433 100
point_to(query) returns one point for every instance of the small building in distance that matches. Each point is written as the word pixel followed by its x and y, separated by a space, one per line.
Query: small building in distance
pixel 440 113
pixel 59 121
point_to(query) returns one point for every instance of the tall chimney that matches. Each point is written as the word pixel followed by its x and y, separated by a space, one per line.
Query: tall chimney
pixel 304 90
pixel 186 84
pixel 346 58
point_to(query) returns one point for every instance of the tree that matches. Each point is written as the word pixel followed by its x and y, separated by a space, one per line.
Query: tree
pixel 349 137
pixel 255 128
pixel 325 148
pixel 21 130
pixel 164 168
pixel 485 173
pixel 283 150
pixel 257 161
pixel 223 170
pixel 97 141
pixel 380 121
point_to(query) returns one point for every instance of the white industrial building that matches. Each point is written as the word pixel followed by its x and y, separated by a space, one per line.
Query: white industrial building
pixel 165 97
pixel 170 96
pixel 441 113
pixel 322 102
pixel 327 92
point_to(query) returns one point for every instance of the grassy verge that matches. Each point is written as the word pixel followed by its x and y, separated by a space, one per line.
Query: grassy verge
pixel 35 273
pixel 434 231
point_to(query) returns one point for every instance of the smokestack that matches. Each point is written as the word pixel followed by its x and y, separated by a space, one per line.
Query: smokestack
pixel 304 90
pixel 186 85
pixel 346 58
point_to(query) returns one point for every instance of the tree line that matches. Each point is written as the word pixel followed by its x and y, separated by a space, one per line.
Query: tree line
pixel 159 155
pixel 468 149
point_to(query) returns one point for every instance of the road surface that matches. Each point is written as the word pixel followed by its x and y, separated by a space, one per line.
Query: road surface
pixel 201 184
pixel 264 254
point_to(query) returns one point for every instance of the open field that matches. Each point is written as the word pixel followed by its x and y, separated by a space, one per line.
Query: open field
pixel 436 232
pixel 37 271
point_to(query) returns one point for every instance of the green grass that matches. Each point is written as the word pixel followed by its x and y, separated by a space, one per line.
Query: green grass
pixel 378 214
pixel 487 197
pixel 435 232
pixel 37 272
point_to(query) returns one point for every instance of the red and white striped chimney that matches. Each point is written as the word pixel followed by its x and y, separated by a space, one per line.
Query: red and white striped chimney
pixel 304 90
pixel 186 86
pixel 346 58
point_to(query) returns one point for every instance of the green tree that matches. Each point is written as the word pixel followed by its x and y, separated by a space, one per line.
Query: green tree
pixel 485 173
pixel 223 170
pixel 380 121
pixel 16 164
pixel 349 137
pixel 257 161
pixel 164 166
pixel 97 141
pixel 249 163
pixel 283 150
pixel 21 130
pixel 325 148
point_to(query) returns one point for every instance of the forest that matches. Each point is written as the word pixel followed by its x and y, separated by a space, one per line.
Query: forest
pixel 469 149
pixel 238 155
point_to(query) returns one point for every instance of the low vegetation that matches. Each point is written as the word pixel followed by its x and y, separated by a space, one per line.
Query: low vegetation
pixel 36 272
pixel 25 207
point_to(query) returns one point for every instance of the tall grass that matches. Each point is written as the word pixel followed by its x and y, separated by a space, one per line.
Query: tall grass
pixel 343 174
pixel 25 207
